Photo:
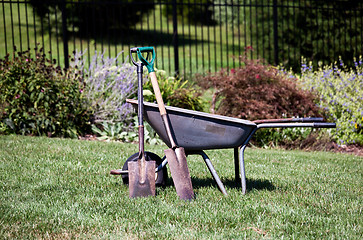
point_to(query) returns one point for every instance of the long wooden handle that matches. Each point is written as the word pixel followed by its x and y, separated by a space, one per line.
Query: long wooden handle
pixel 162 110
pixel 159 98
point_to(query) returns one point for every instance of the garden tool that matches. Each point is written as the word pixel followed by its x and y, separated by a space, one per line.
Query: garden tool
pixel 141 172
pixel 175 155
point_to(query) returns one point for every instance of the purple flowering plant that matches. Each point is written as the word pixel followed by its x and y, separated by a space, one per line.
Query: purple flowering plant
pixel 108 83
pixel 340 90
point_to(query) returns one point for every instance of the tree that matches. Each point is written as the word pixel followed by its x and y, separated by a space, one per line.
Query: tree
pixel 192 11
pixel 314 29
pixel 85 16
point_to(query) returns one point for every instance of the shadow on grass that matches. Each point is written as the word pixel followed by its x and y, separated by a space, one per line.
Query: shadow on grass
pixel 230 183
pixel 257 184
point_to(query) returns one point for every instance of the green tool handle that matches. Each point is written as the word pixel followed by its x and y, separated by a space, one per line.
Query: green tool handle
pixel 148 62
pixel 154 81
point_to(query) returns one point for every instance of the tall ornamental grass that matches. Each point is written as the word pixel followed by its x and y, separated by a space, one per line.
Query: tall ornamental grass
pixel 340 90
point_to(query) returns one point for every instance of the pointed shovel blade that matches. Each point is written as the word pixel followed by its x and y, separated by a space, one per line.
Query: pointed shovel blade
pixel 180 173
pixel 141 178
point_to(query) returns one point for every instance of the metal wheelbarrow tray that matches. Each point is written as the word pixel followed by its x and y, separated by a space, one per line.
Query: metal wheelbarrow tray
pixel 198 131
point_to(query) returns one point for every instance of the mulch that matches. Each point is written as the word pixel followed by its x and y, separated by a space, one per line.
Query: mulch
pixel 312 143
pixel 351 149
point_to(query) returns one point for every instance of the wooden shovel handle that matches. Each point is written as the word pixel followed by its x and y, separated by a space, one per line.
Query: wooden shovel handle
pixel 159 99
pixel 162 110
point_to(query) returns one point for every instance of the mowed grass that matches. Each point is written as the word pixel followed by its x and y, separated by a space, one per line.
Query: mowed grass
pixel 61 189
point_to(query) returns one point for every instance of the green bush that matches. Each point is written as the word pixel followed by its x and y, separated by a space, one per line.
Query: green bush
pixel 38 98
pixel 175 92
pixel 104 17
pixel 340 90
pixel 109 83
pixel 115 132
pixel 305 28
pixel 192 12
pixel 292 138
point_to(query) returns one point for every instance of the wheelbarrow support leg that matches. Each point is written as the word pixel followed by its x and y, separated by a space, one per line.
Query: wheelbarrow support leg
pixel 236 166
pixel 242 167
pixel 213 172
pixel 242 162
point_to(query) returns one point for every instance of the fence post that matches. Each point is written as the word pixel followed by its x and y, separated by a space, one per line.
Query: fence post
pixel 276 39
pixel 65 34
pixel 175 38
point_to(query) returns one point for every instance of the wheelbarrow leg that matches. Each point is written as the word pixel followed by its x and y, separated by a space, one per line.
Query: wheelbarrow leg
pixel 242 167
pixel 236 166
pixel 213 172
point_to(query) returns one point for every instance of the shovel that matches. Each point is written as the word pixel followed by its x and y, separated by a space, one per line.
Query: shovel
pixel 175 155
pixel 141 172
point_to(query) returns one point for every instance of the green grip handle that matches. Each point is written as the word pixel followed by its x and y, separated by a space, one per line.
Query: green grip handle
pixel 149 64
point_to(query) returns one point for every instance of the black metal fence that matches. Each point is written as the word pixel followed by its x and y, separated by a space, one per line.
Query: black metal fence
pixel 190 36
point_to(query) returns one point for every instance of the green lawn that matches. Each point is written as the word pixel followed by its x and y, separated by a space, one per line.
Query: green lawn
pixel 61 189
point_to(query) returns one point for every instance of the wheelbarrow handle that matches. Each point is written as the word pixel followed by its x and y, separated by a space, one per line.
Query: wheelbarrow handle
pixel 324 125
pixel 296 124
pixel 285 120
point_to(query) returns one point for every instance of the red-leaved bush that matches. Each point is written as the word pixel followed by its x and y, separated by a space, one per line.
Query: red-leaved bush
pixel 257 91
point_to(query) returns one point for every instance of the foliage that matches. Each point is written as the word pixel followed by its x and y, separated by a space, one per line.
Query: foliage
pixel 258 91
pixel 290 138
pixel 340 90
pixel 108 83
pixel 192 12
pixel 98 16
pixel 314 29
pixel 115 132
pixel 38 98
pixel 175 92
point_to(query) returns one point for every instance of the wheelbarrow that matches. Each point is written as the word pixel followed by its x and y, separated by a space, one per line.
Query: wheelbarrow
pixel 198 131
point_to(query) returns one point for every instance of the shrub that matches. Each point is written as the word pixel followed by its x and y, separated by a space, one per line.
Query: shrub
pixel 175 92
pixel 191 12
pixel 108 83
pixel 303 30
pixel 38 98
pixel 340 91
pixel 115 132
pixel 104 17
pixel 291 138
pixel 258 91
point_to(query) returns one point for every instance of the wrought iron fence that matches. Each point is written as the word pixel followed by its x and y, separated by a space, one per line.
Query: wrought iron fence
pixel 190 36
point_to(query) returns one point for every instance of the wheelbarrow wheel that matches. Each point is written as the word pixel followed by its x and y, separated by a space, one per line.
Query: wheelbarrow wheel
pixel 160 177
